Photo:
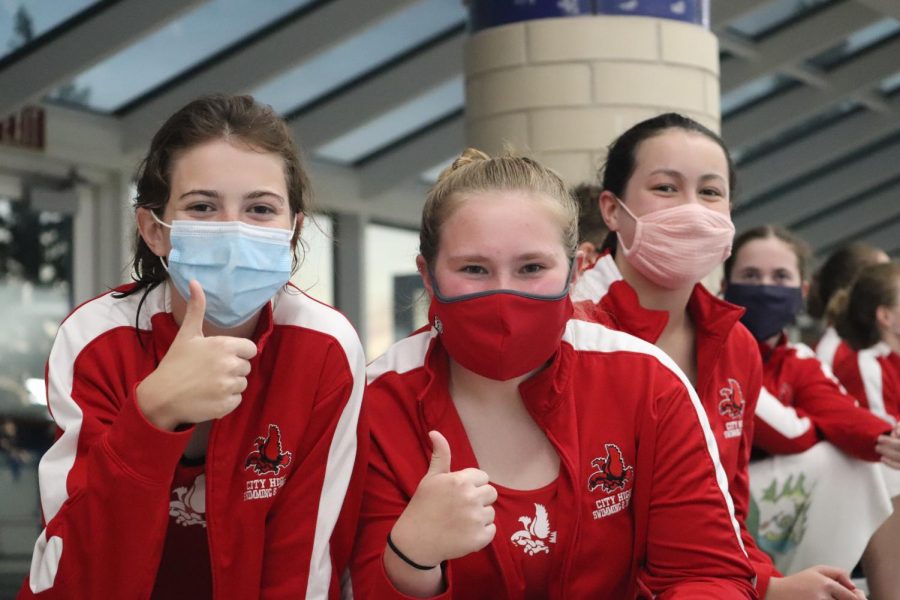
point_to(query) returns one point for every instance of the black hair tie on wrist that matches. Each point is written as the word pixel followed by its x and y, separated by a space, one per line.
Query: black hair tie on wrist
pixel 405 558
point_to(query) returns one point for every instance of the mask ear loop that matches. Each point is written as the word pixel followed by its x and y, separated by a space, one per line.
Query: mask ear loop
pixel 164 224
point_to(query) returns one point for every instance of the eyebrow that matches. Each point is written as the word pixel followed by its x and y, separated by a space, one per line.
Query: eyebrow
pixel 680 175
pixel 214 194
pixel 482 258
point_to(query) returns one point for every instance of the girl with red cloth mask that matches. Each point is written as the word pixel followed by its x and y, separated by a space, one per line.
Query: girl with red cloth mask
pixel 667 186
pixel 517 452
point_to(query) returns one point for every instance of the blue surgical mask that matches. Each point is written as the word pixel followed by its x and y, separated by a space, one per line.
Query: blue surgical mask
pixel 770 308
pixel 240 267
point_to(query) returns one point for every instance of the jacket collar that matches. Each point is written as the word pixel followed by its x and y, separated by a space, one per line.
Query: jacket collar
pixel 713 317
pixel 164 327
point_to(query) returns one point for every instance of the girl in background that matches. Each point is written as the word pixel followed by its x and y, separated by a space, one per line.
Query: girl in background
pixel 836 273
pixel 867 317
pixel 801 405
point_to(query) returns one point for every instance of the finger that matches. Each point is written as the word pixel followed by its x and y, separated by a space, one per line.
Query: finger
pixel 240 384
pixel 241 367
pixel 839 575
pixel 894 464
pixel 440 454
pixel 487 494
pixel 473 476
pixel 230 404
pixel 240 347
pixel 842 593
pixel 891 451
pixel 489 515
pixel 192 323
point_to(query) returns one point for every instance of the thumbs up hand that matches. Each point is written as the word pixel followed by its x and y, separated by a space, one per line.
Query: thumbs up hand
pixel 450 515
pixel 200 378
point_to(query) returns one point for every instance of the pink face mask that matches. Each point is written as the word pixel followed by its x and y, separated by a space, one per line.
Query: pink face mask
pixel 676 247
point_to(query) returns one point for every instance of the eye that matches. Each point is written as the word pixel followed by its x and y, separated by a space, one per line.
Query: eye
pixel 473 269
pixel 533 268
pixel 668 188
pixel 749 276
pixel 262 209
pixel 200 207
pixel 712 192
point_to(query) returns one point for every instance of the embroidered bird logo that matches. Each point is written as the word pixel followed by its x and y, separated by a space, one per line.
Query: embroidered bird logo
pixel 612 473
pixel 536 533
pixel 732 404
pixel 268 457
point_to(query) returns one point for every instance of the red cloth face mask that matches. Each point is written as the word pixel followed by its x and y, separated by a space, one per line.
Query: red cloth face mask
pixel 500 334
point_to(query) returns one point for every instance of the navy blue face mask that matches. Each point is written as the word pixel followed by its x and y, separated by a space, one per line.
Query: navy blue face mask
pixel 770 308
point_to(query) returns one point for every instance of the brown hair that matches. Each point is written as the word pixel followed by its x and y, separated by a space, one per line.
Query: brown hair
pixel 800 248
pixel 474 171
pixel 591 227
pixel 621 156
pixel 853 310
pixel 237 119
pixel 837 272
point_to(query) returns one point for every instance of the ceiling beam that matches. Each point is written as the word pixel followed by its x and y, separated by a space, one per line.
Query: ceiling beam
pixel 884 236
pixel 410 158
pixel 823 147
pixel 889 8
pixel 847 180
pixel 783 110
pixel 377 95
pixel 261 60
pixel 854 218
pixel 723 12
pixel 68 51
pixel 785 50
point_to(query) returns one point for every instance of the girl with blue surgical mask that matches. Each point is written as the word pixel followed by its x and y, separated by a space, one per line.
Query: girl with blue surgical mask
pixel 207 412
pixel 806 426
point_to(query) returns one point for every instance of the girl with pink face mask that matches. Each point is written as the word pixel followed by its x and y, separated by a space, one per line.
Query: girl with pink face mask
pixel 519 453
pixel 667 186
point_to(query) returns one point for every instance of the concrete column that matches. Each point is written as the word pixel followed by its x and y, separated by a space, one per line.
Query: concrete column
pixel 349 269
pixel 561 89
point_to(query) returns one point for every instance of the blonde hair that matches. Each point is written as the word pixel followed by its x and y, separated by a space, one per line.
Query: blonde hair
pixel 474 171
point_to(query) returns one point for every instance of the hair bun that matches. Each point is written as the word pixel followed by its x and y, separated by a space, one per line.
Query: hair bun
pixel 468 157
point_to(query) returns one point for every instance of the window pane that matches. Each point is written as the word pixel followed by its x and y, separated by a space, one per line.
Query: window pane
pixel 23 22
pixel 35 296
pixel 316 273
pixel 367 50
pixel 173 49
pixel 395 299
pixel 395 124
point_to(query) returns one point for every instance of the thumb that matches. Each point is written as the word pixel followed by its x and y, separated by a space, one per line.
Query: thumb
pixel 440 454
pixel 192 324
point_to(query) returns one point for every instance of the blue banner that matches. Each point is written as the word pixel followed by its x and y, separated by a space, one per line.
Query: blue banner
pixel 491 13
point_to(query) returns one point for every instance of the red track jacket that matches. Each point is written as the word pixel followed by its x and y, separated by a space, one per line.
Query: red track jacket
pixel 872 376
pixel 802 404
pixel 273 531
pixel 728 371
pixel 665 526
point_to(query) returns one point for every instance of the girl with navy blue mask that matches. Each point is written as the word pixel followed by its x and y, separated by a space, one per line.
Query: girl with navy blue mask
pixel 806 424
pixel 207 412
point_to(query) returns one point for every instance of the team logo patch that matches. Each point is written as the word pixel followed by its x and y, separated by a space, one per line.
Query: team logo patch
pixel 732 404
pixel 268 456
pixel 732 408
pixel 535 534
pixel 612 476
pixel 612 473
